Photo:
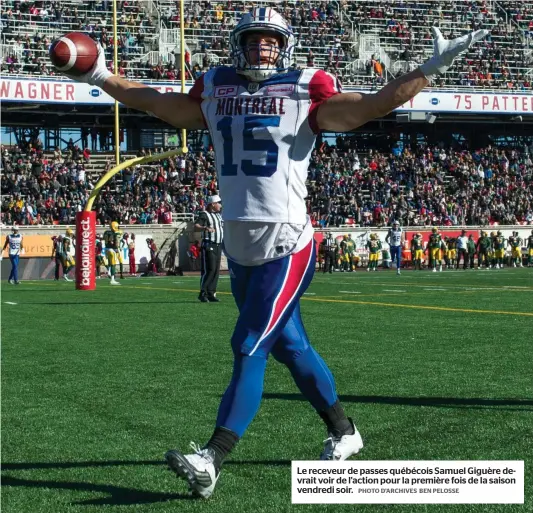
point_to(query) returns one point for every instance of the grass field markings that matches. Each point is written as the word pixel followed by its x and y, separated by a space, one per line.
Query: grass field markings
pixel 435 288
pixel 309 294
pixel 445 286
pixel 349 292
pixel 393 290
pixel 420 307
pixel 10 303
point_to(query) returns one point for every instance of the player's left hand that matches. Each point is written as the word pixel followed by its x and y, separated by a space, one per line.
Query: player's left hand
pixel 445 51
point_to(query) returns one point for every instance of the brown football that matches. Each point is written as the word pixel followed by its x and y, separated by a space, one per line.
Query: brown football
pixel 74 53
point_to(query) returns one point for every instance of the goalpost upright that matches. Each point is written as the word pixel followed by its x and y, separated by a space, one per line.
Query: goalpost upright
pixel 86 220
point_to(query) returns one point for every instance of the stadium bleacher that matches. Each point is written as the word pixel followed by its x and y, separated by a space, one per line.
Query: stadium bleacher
pixel 365 43
pixel 420 186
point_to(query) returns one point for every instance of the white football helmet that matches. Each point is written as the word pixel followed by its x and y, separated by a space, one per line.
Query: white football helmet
pixel 261 19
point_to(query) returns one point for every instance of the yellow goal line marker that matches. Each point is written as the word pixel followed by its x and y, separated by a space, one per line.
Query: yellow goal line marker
pixel 375 303
pixel 418 307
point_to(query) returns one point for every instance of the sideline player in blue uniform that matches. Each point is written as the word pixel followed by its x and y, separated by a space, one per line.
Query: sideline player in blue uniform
pixel 14 242
pixel 395 240
pixel 263 118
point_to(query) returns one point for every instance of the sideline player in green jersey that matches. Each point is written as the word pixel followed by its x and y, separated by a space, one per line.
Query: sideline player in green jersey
pixel 434 249
pixel 112 246
pixel 350 252
pixel 499 249
pixel 530 250
pixel 484 249
pixel 374 247
pixel 515 243
pixel 417 250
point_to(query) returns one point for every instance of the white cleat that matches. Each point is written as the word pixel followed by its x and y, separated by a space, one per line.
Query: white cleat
pixel 197 469
pixel 368 269
pixel 340 449
pixel 66 278
pixel 440 269
pixel 114 282
pixel 434 270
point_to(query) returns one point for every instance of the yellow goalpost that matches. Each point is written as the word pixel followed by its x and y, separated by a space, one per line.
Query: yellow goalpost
pixel 86 220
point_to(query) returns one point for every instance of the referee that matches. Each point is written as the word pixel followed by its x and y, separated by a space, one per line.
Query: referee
pixel 210 223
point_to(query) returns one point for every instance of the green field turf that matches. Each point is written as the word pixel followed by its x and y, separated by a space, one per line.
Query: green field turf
pixel 98 385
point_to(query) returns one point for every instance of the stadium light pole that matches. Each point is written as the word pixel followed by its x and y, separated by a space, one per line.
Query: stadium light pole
pixel 115 67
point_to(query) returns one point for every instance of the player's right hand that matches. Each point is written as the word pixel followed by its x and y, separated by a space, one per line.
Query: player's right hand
pixel 98 73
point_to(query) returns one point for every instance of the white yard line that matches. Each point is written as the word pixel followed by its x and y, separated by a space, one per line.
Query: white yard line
pixel 10 303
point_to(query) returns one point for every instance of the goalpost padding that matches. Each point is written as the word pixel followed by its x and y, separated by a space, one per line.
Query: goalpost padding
pixel 85 250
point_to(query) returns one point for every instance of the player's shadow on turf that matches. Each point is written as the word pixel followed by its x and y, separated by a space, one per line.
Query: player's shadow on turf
pixel 118 463
pixel 74 303
pixel 119 496
pixel 115 495
pixel 437 402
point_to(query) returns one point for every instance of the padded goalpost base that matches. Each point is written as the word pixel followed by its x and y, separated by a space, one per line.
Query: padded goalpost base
pixel 85 250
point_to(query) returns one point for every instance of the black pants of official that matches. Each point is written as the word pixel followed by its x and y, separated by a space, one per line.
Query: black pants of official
pixel 59 264
pixel 210 268
pixel 329 261
pixel 462 253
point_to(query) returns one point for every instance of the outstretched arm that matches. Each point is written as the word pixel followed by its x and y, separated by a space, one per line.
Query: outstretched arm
pixel 177 109
pixel 347 111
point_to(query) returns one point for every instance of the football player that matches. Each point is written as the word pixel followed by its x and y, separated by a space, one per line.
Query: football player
pixel 499 249
pixel 451 252
pixel 67 258
pixel 484 248
pixel 374 247
pixel 395 239
pixel 434 249
pixel 112 239
pixel 352 258
pixel 417 250
pixel 263 118
pixel 515 242
pixel 123 248
pixel 14 243
pixel 530 250
pixel 100 255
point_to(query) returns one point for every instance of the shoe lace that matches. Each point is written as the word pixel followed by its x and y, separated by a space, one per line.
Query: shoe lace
pixel 202 452
pixel 330 444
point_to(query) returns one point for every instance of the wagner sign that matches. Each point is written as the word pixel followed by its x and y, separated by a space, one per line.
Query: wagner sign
pixel 66 91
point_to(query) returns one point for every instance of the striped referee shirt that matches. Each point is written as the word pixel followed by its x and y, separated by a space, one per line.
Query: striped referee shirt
pixel 211 220
pixel 329 243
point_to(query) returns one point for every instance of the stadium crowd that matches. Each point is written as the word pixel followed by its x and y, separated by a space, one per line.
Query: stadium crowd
pixel 417 186
pixel 328 35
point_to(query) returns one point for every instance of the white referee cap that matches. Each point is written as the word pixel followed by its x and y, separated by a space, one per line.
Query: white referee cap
pixel 213 199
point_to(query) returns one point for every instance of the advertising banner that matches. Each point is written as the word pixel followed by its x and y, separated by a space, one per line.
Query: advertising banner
pixel 68 92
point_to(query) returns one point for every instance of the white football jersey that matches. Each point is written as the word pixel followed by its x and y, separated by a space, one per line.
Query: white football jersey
pixel 14 242
pixel 263 135
pixel 395 237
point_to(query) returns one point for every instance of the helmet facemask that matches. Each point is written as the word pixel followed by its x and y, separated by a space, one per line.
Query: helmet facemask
pixel 247 56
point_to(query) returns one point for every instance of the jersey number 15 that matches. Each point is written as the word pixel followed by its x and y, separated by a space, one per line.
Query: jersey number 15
pixel 264 146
